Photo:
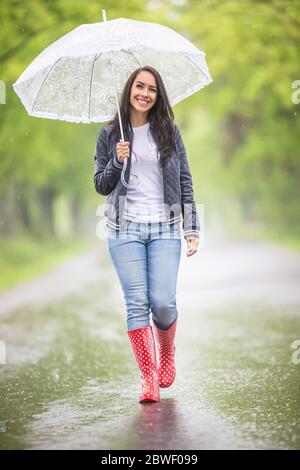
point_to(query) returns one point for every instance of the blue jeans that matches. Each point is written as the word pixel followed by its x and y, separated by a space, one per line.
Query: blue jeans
pixel 146 256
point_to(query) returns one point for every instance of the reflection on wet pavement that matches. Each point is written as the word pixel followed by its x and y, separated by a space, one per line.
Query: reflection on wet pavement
pixel 71 382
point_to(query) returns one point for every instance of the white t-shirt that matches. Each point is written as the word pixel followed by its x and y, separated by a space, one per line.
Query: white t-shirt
pixel 145 197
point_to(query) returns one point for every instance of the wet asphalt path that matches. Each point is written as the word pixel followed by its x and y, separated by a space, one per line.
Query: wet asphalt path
pixel 70 380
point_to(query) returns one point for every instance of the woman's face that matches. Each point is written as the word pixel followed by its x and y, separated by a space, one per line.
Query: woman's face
pixel 143 91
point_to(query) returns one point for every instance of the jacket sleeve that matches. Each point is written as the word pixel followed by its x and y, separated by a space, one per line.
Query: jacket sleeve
pixel 191 223
pixel 107 169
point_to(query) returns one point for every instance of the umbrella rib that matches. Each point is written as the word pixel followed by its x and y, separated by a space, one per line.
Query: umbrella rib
pixel 90 93
pixel 44 82
pixel 195 63
pixel 135 57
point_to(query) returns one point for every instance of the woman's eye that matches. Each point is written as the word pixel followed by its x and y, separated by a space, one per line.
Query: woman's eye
pixel 151 89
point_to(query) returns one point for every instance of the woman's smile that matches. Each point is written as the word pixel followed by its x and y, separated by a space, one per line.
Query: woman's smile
pixel 142 101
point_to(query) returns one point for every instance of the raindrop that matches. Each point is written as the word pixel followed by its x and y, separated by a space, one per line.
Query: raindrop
pixel 134 181
pixel 55 375
pixel 2 427
pixel 111 99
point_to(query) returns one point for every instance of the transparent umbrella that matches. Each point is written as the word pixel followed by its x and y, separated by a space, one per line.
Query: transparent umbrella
pixel 81 76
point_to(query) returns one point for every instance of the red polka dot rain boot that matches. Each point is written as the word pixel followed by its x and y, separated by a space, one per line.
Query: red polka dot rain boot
pixel 166 349
pixel 143 345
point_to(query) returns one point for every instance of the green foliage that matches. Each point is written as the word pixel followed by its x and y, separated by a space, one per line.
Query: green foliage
pixel 26 257
pixel 241 132
pixel 247 160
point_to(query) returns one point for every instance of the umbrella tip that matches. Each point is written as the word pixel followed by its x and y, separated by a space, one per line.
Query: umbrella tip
pixel 104 15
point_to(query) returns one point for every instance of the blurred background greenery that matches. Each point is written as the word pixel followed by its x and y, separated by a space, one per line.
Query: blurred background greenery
pixel 241 132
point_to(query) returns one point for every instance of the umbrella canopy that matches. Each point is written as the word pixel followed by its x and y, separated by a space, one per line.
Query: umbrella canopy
pixel 79 77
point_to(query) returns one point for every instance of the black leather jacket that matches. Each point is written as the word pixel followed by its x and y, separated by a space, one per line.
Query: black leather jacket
pixel 177 182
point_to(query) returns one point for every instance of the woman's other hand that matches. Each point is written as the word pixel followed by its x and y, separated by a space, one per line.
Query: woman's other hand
pixel 192 245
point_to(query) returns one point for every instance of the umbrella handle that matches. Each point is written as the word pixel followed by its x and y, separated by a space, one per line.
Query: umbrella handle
pixel 119 114
pixel 115 84
pixel 121 127
pixel 117 101
pixel 113 72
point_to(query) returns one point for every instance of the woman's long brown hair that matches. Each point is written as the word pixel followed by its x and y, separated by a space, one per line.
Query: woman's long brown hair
pixel 160 116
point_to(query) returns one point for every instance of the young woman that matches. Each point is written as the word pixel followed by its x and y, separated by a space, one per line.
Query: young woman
pixel 143 213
